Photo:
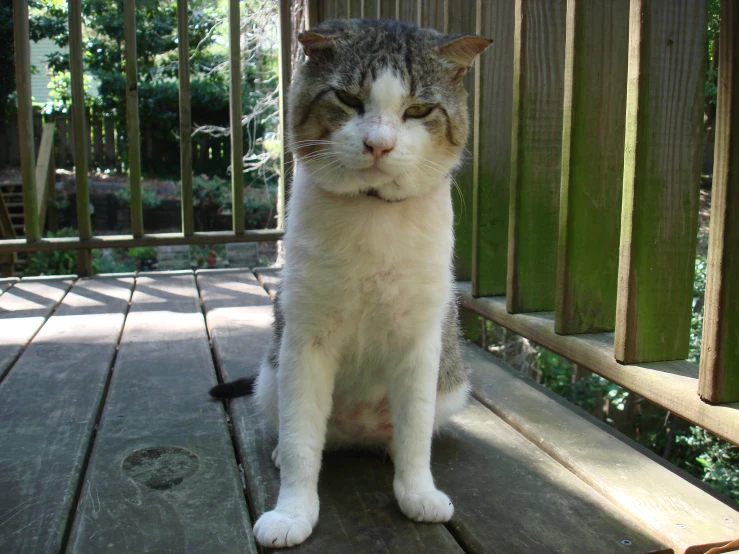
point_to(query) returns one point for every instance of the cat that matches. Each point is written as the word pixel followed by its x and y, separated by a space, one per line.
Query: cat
pixel 366 342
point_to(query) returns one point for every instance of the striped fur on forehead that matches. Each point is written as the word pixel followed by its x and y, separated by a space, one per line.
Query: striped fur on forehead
pixel 358 53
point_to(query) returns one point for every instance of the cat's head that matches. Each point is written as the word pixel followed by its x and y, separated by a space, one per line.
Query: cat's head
pixel 378 107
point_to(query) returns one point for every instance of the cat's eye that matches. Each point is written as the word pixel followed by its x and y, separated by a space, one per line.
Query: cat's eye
pixel 349 100
pixel 418 111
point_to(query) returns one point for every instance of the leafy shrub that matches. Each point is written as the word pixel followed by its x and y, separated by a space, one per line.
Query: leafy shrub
pixel 149 196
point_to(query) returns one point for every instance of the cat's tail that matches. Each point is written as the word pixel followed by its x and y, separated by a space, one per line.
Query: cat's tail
pixel 234 389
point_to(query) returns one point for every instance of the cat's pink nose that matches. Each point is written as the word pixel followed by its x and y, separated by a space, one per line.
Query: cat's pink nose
pixel 379 148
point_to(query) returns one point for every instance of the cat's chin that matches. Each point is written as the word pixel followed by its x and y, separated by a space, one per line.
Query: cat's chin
pixel 374 193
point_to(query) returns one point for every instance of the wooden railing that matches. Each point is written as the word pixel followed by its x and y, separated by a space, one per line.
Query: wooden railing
pixel 577 220
pixel 579 204
pixel 33 241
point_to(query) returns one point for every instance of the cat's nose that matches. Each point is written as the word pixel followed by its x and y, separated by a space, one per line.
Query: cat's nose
pixel 379 148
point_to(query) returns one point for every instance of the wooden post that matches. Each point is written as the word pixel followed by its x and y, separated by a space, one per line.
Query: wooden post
pixel 84 224
pixel 596 62
pixel 536 154
pixel 132 119
pixel 663 150
pixel 237 134
pixel 63 154
pixel 719 368
pixel 493 151
pixel 185 118
pixel 25 118
pixel 312 8
pixel 45 172
pixel 285 75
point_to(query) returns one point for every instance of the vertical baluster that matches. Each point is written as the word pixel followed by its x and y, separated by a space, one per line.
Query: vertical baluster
pixel 490 197
pixel 354 9
pixel 596 61
pixel 185 118
pixel 719 369
pixel 536 156
pixel 237 135
pixel 407 10
pixel 664 126
pixel 435 14
pixel 285 71
pixel 84 224
pixel 132 118
pixel 25 118
pixel 460 17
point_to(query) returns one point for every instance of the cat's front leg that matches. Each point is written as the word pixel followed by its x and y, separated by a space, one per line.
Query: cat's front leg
pixel 305 384
pixel 413 402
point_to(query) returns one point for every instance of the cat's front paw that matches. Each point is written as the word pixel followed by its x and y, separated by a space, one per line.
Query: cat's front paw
pixel 278 530
pixel 432 506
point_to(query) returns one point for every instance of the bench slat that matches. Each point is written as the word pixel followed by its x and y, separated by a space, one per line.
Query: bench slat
pixel 23 310
pixel 162 476
pixel 358 510
pixel 511 497
pixel 687 518
pixel 48 406
pixel 5 284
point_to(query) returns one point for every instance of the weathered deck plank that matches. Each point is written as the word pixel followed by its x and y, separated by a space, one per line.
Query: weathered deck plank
pixel 48 406
pixel 162 476
pixel 358 511
pixel 23 310
pixel 669 506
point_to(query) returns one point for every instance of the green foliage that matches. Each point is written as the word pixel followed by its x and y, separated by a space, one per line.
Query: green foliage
pixel 696 322
pixel 713 460
pixel 142 253
pixel 691 448
pixel 211 198
pixel 62 262
pixel 7 61
pixel 711 81
pixel 149 196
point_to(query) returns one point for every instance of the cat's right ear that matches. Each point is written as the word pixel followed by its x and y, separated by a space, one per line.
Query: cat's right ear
pixel 314 43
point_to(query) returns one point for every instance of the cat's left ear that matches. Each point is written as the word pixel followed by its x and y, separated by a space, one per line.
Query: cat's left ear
pixel 462 51
pixel 314 42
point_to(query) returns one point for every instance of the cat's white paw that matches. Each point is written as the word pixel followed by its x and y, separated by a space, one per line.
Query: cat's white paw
pixel 278 530
pixel 276 456
pixel 432 506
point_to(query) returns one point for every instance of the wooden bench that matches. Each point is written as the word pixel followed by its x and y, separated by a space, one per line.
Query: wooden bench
pixel 109 442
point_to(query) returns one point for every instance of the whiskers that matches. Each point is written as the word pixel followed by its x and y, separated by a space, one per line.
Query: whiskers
pixel 427 166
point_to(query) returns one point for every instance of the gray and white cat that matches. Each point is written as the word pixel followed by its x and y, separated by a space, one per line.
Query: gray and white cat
pixel 366 336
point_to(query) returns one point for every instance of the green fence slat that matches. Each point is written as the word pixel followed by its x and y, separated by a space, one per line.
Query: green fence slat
pixel 490 201
pixel 132 118
pixel 536 156
pixel 596 62
pixel 237 135
pixel 185 117
pixel 663 154
pixel 25 118
pixel 719 367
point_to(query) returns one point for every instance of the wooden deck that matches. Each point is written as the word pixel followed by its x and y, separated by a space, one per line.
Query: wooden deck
pixel 109 442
